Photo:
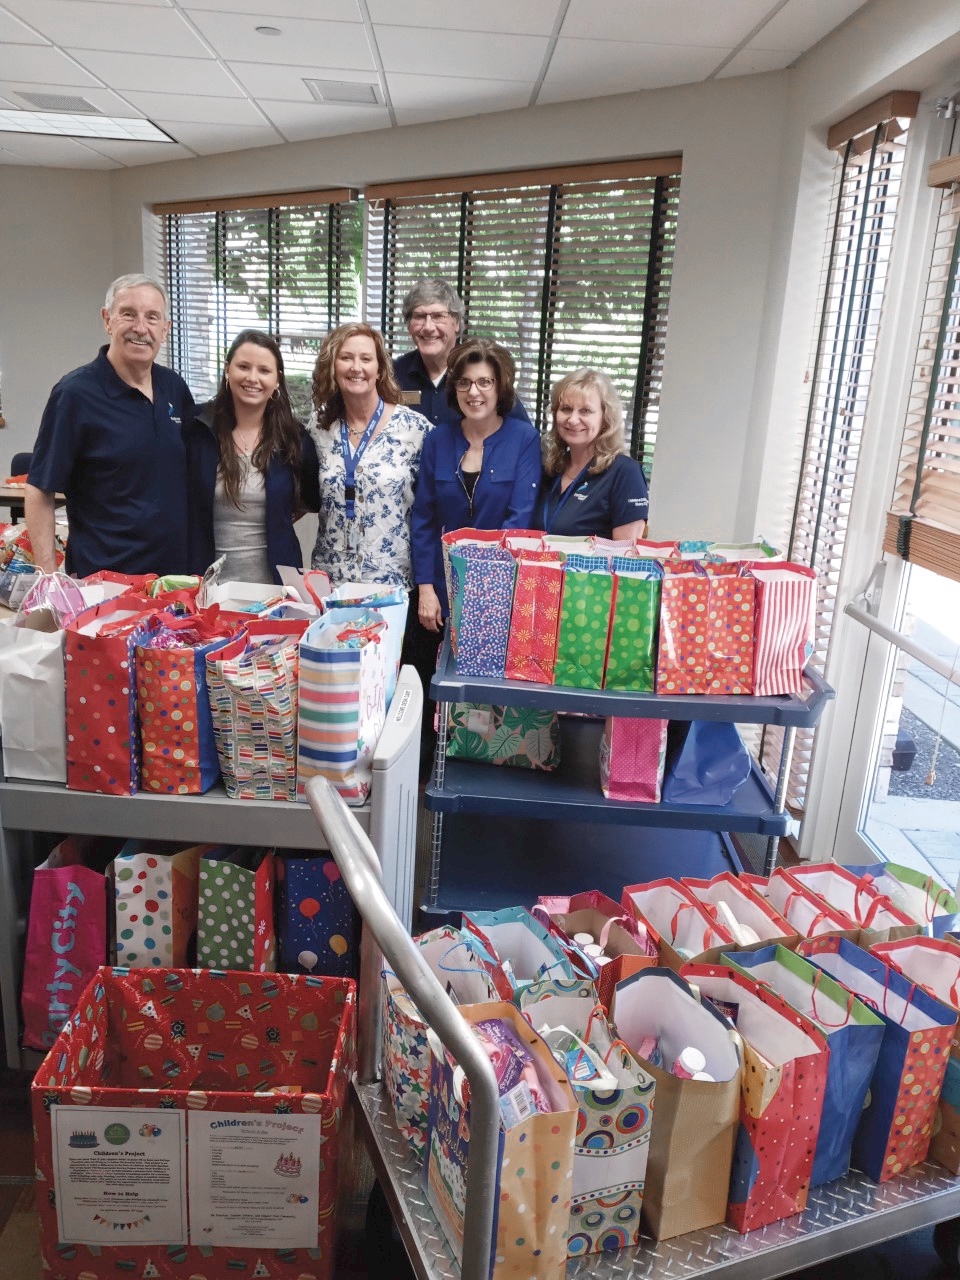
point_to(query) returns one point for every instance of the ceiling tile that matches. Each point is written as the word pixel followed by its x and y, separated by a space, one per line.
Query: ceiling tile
pixel 333 44
pixel 480 55
pixel 268 11
pixel 299 122
pixel 92 24
pixel 13 31
pixel 196 108
pixel 285 83
pixel 136 153
pixel 749 62
pixel 53 152
pixel 31 64
pixel 457 94
pixel 531 17
pixel 111 104
pixel 801 24
pixel 597 68
pixel 679 22
pixel 211 139
pixel 125 72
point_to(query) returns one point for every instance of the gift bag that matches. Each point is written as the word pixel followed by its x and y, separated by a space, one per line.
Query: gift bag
pixel 392 603
pixel 458 538
pixel 515 949
pixel 103 749
pixel 480 609
pixel 786 596
pixel 694 1121
pixel 32 710
pixel 632 755
pixel 342 701
pixel 806 912
pixel 535 1168
pixel 254 691
pixel 923 899
pixel 523 737
pixel 613 1128
pixel 317 926
pixel 626 945
pixel 585 610
pixel 235 928
pixel 785 1060
pixel 747 916
pixel 879 920
pixel 66 941
pixel 178 753
pixel 761 550
pixel 155 903
pixel 683 927
pixel 896 1127
pixel 632 656
pixel 707 763
pixel 535 617
pixel 853 1035
pixel 453 959
pixel 706 629
pixel 935 964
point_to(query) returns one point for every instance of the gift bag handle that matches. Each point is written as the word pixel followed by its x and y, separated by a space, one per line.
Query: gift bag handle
pixel 688 906
pixel 938 899
pixel 813 1005
pixel 887 971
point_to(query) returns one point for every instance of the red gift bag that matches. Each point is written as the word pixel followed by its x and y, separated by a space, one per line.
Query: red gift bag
pixel 632 755
pixel 786 597
pixel 101 702
pixel 535 617
pixel 706 629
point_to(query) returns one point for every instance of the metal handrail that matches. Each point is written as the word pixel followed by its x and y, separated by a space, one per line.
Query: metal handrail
pixel 929 659
pixel 360 868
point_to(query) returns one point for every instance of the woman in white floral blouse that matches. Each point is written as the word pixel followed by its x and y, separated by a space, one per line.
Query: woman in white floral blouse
pixel 369 446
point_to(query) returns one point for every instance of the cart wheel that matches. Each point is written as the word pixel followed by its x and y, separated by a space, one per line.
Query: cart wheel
pixel 946 1241
pixel 385 1253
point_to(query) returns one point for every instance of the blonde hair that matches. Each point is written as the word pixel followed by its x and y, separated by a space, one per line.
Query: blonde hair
pixel 608 444
pixel 326 393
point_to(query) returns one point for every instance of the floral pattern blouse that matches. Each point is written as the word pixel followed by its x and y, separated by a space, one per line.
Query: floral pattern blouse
pixel 385 480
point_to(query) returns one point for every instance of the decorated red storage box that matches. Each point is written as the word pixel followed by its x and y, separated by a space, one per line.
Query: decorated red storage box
pixel 187 1126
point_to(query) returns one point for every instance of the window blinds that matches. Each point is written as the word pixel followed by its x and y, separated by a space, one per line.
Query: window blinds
pixel 291 270
pixel 565 270
pixel 863 205
pixel 924 526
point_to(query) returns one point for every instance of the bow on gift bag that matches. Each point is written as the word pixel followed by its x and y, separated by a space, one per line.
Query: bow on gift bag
pixel 853 1034
pixel 785 1059
pixel 896 1127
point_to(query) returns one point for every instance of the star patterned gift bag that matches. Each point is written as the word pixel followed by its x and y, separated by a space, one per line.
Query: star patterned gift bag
pixel 235 928
pixel 584 622
pixel 706 629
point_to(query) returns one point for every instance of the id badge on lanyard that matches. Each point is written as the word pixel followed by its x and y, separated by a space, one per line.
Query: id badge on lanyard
pixel 350 461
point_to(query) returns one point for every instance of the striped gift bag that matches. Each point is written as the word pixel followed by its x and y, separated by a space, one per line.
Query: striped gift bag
pixel 786 602
pixel 342 700
pixel 253 688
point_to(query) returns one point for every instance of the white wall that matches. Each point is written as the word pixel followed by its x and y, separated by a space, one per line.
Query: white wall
pixel 56 260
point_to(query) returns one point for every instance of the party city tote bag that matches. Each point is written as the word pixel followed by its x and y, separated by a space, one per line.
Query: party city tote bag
pixel 342 701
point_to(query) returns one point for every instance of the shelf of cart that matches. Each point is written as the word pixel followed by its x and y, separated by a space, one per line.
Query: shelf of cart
pixel 801 712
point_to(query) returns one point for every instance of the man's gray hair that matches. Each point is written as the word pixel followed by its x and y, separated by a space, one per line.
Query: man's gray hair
pixel 133 281
pixel 429 290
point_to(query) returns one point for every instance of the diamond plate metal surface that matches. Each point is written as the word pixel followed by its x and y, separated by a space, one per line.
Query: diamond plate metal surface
pixel 841 1217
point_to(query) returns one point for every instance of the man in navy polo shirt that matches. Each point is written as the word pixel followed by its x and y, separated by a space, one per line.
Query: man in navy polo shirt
pixel 110 440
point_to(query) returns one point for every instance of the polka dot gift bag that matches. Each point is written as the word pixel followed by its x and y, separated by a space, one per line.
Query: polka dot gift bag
pixel 102 737
pixel 706 629
pixel 785 1061
pixel 155 901
pixel 235 928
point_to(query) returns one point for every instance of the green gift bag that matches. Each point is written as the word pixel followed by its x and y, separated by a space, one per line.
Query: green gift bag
pixel 524 737
pixel 632 656
pixel 584 622
pixel 235 927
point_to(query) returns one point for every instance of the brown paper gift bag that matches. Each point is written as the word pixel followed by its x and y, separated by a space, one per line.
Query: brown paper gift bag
pixel 694 1121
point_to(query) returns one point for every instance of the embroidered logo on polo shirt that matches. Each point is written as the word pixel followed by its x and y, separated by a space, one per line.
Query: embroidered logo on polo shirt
pixel 173 416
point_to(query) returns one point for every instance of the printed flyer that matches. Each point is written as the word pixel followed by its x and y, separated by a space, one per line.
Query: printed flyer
pixel 254 1179
pixel 120 1175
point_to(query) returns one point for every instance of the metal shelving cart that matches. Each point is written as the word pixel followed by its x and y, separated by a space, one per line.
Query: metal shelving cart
pixel 561 820
pixel 841 1217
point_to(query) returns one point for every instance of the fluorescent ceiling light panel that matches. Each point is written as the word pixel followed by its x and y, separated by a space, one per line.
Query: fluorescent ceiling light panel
pixel 68 125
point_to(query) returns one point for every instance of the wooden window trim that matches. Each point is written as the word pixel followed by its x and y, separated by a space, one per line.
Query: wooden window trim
pixel 945 172
pixel 657 167
pixel 902 103
pixel 284 200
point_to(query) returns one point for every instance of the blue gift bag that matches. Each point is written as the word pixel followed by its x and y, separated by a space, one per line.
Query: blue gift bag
pixel 317 926
pixel 706 763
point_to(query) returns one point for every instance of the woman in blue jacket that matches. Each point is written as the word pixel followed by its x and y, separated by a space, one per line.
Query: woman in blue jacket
pixel 252 469
pixel 480 473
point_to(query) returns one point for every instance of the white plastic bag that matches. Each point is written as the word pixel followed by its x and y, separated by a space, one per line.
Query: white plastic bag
pixel 32 715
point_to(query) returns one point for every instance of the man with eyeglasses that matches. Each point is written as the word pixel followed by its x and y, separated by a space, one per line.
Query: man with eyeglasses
pixel 433 312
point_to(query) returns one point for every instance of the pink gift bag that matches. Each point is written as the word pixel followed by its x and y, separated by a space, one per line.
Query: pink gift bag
pixel 632 753
pixel 66 942
pixel 786 604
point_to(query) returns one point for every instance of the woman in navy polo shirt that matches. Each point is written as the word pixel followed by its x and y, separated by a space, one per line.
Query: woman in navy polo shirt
pixel 251 468
pixel 481 473
pixel 590 484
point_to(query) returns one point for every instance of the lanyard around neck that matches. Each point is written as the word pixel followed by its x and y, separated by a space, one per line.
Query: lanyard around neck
pixel 562 497
pixel 350 460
